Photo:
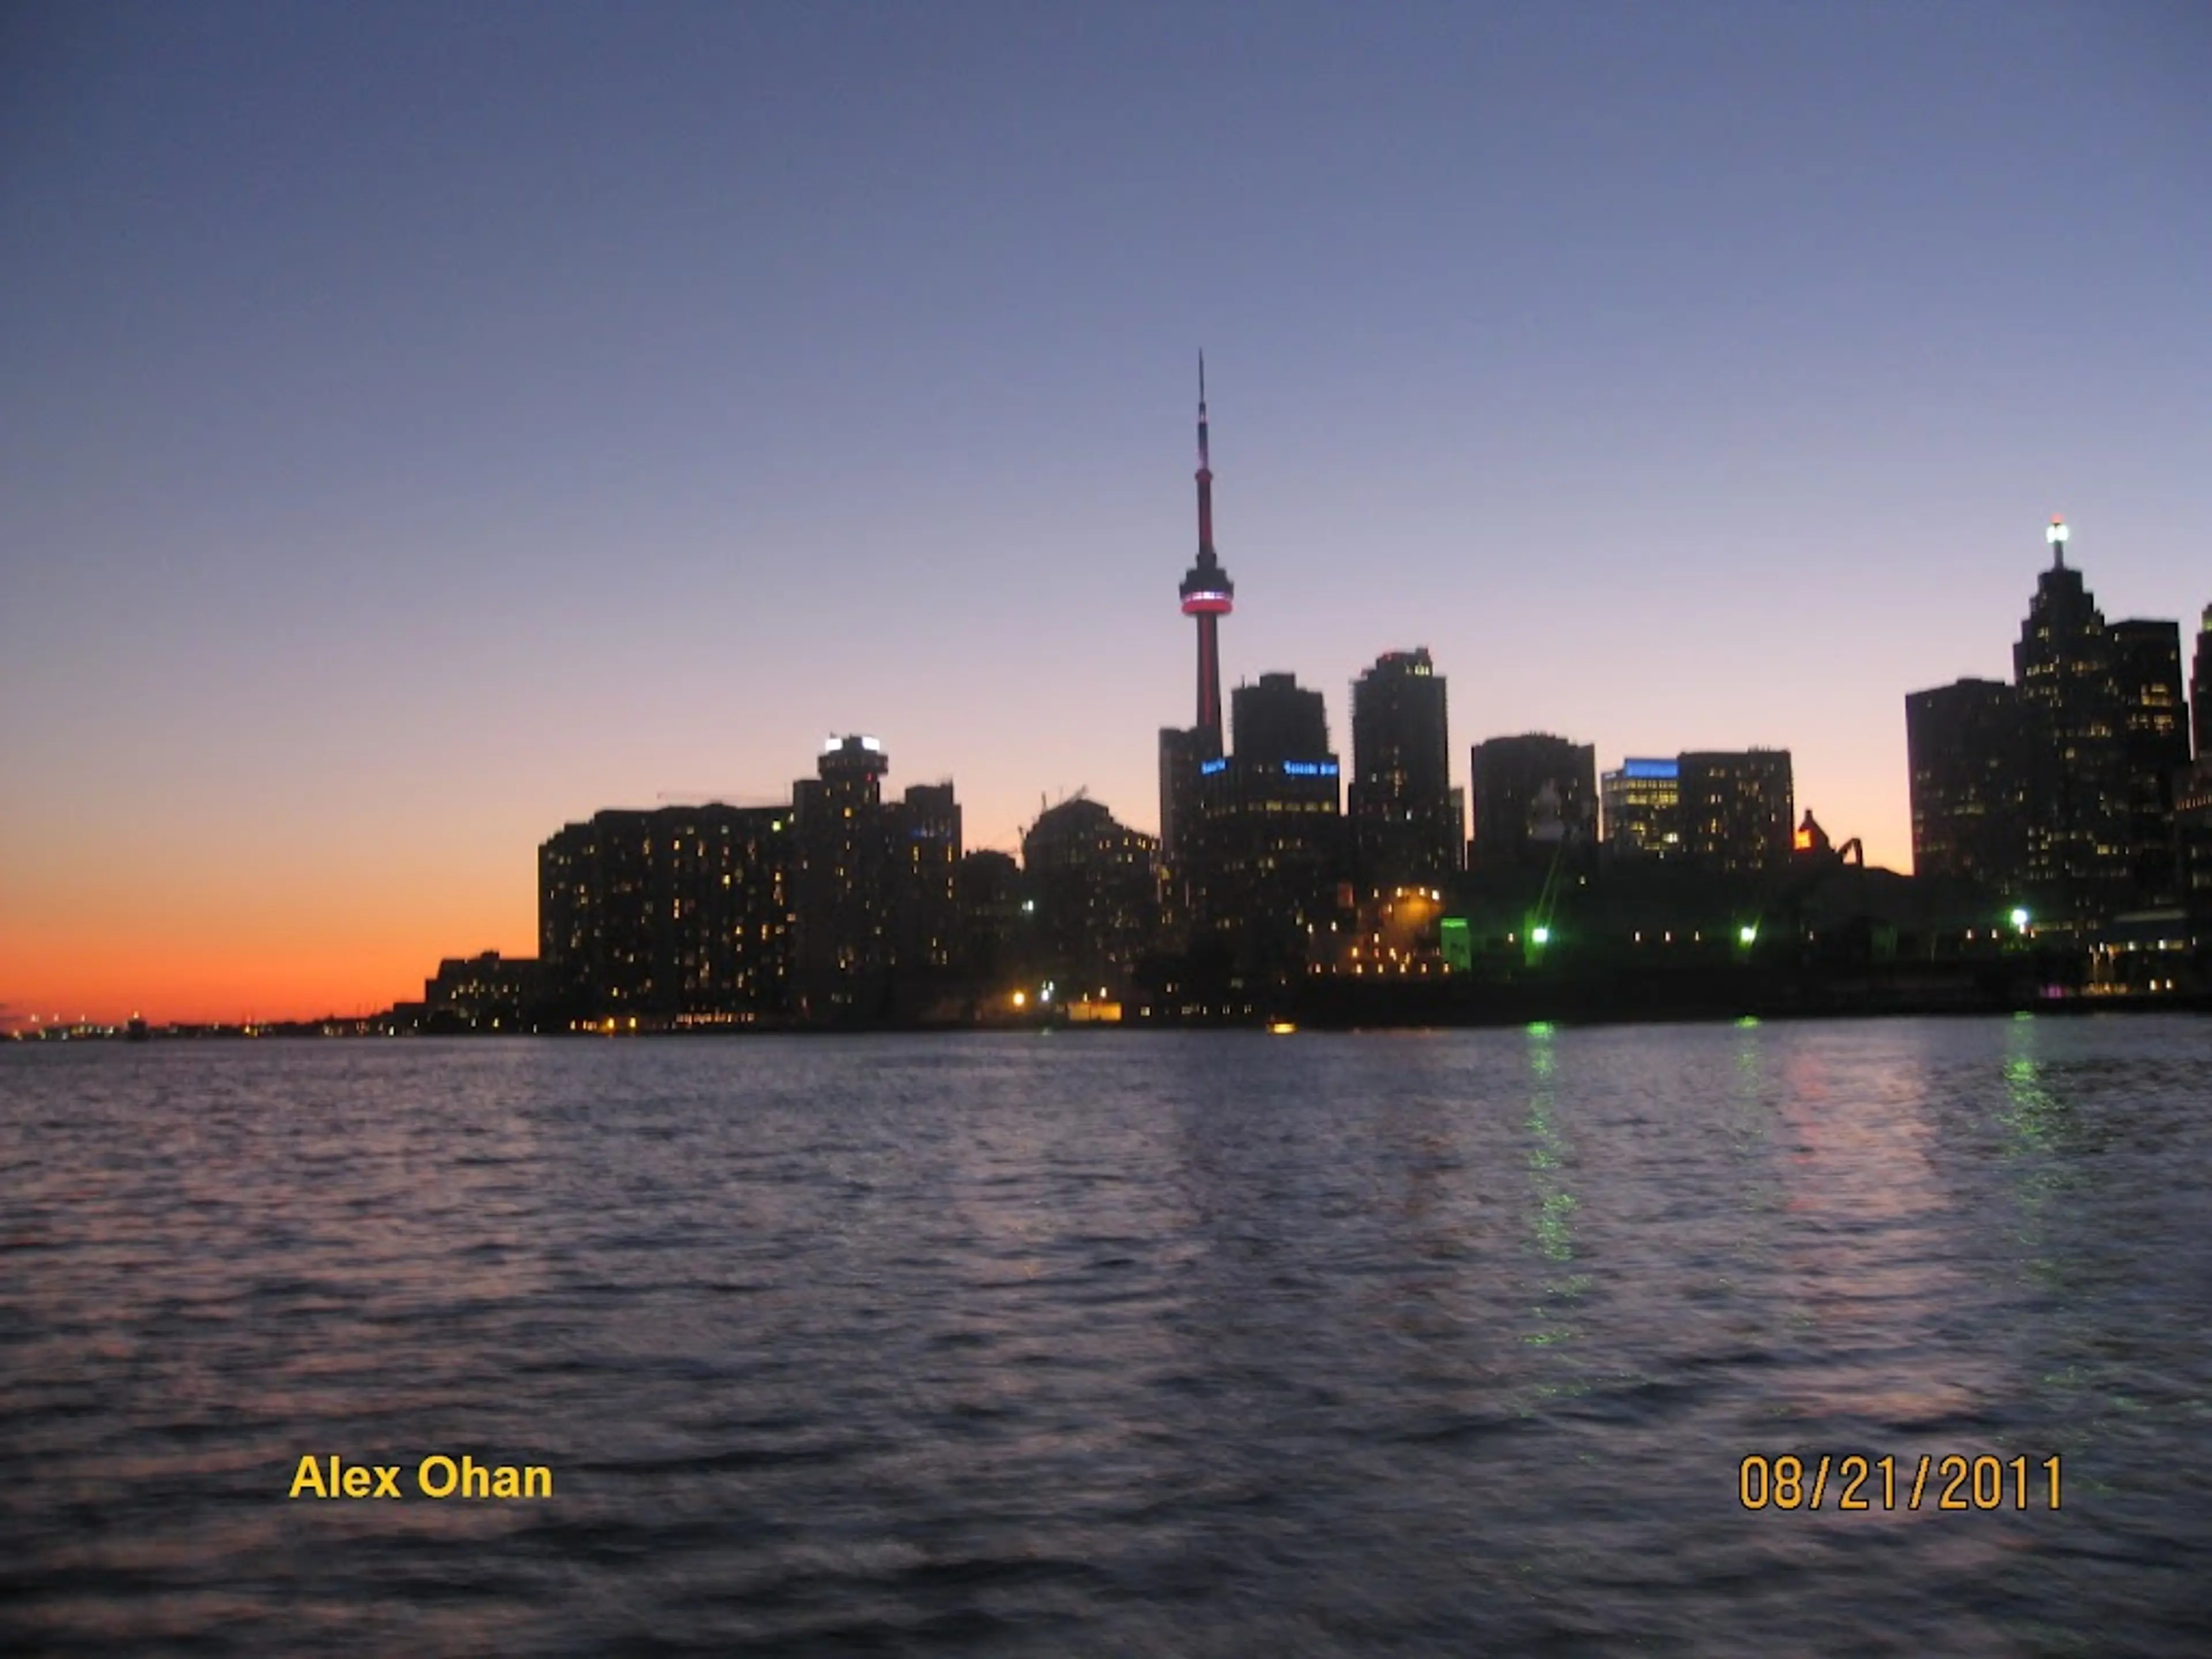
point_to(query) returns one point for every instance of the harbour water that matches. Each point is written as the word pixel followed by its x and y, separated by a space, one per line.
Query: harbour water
pixel 1205 1343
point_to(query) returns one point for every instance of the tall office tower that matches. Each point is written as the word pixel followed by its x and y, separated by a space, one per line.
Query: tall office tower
pixel 1967 747
pixel 845 949
pixel 1095 886
pixel 1403 828
pixel 1207 596
pixel 1738 809
pixel 1279 721
pixel 2200 688
pixel 2079 861
pixel 1643 809
pixel 680 913
pixel 1269 853
pixel 1531 794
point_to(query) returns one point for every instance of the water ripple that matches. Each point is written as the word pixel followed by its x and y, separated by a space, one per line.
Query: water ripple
pixel 1176 1344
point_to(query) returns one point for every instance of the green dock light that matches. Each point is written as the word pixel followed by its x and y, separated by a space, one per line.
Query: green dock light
pixel 1748 934
pixel 1540 936
pixel 2019 919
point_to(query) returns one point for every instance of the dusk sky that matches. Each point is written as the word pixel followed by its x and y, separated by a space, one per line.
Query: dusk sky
pixel 423 426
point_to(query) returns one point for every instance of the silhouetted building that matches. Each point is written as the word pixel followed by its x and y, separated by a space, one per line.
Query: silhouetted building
pixel 993 931
pixel 2200 686
pixel 1737 807
pixel 1279 721
pixel 843 937
pixel 925 828
pixel 2193 805
pixel 1097 889
pixel 1404 831
pixel 1182 753
pixel 675 914
pixel 2154 746
pixel 2079 862
pixel 875 915
pixel 2192 835
pixel 1531 794
pixel 2059 789
pixel 486 992
pixel 1968 748
pixel 1269 855
pixel 1642 803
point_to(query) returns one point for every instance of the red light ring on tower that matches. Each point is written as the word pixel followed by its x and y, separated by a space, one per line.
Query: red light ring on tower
pixel 1213 604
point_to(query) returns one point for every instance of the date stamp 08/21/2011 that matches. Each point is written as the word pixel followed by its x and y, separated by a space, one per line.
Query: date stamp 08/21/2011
pixel 1954 1481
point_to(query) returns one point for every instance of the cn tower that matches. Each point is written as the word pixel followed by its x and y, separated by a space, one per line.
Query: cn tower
pixel 1207 594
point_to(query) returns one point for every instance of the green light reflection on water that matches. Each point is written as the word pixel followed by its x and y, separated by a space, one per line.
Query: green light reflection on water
pixel 1553 1214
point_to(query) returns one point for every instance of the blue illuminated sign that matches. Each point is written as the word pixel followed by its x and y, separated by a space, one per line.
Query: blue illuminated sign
pixel 1207 769
pixel 1309 768
pixel 1650 768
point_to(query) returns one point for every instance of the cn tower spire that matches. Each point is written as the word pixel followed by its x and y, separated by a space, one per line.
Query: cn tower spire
pixel 1207 593
pixel 1204 474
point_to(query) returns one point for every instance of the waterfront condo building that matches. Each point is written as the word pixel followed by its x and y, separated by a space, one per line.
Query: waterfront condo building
pixel 1095 884
pixel 679 914
pixel 1738 808
pixel 875 912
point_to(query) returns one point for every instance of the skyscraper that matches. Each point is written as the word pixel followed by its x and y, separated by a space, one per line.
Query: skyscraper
pixel 2079 863
pixel 1967 749
pixel 876 916
pixel 1279 721
pixel 844 952
pixel 1531 794
pixel 2061 788
pixel 1207 596
pixel 1404 831
pixel 1269 851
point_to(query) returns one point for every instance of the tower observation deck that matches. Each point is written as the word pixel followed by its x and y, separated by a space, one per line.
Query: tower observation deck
pixel 1207 596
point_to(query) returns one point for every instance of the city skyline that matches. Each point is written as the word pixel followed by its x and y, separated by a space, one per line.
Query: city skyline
pixel 549 429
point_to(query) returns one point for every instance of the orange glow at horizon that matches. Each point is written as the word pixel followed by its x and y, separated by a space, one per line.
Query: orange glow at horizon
pixel 243 944
pixel 110 975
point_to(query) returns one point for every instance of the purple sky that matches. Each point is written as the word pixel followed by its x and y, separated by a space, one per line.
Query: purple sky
pixel 423 425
